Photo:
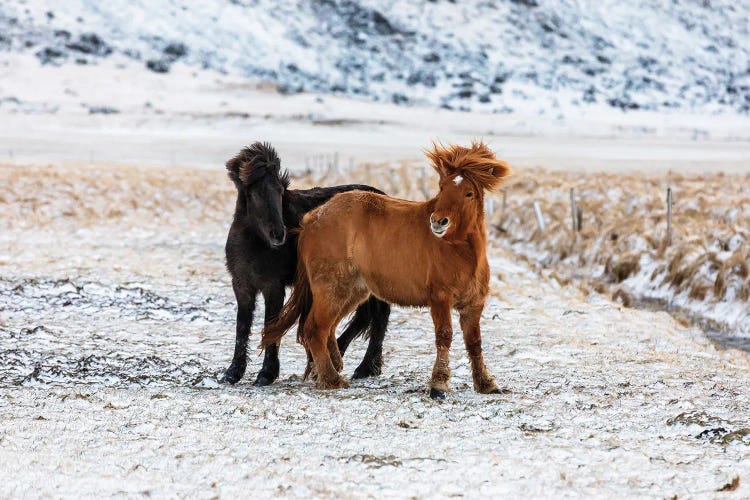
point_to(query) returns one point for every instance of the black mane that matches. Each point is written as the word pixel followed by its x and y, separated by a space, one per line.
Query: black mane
pixel 255 162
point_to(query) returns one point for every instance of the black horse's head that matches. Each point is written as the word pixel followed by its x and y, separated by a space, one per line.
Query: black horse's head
pixel 256 171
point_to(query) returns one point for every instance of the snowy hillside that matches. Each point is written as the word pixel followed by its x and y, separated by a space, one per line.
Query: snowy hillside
pixel 485 56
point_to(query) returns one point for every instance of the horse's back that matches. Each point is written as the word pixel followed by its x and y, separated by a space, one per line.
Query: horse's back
pixel 378 236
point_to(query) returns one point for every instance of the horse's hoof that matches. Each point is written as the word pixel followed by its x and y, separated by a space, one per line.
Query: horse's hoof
pixel 233 374
pixel 366 371
pixel 339 383
pixel 437 394
pixel 263 379
pixel 496 390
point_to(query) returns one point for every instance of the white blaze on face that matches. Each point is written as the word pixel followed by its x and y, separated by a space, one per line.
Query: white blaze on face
pixel 457 179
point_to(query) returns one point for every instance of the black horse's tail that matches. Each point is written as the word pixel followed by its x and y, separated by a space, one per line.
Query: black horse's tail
pixel 296 308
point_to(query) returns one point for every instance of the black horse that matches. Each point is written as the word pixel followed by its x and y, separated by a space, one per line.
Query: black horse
pixel 262 257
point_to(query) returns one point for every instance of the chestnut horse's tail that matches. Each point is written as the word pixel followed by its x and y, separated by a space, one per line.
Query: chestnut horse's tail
pixel 296 307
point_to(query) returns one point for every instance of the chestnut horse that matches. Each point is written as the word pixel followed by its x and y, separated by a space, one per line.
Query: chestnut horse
pixel 409 253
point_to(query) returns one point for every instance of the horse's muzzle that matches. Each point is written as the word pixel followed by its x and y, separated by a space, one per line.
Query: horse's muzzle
pixel 439 228
pixel 276 239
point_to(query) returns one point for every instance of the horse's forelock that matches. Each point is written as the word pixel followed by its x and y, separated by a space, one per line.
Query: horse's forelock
pixel 259 160
pixel 477 163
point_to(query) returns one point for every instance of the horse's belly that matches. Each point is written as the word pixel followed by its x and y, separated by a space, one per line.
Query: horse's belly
pixel 396 291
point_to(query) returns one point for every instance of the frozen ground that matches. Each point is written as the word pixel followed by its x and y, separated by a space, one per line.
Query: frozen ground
pixel 116 319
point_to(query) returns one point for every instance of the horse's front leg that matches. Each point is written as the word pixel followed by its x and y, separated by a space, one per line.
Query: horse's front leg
pixel 441 372
pixel 484 382
pixel 274 299
pixel 245 308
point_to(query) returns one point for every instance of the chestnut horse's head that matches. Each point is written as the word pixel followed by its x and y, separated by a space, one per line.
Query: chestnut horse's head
pixel 465 174
pixel 256 171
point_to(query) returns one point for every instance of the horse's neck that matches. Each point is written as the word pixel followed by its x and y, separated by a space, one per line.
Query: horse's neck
pixel 240 208
pixel 294 206
pixel 289 210
pixel 477 238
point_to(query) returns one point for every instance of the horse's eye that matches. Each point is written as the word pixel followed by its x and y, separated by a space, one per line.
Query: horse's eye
pixel 469 194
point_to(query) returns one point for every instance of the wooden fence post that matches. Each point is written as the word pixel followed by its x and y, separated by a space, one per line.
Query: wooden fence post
pixel 490 205
pixel 669 216
pixel 573 211
pixel 393 177
pixel 539 216
pixel 423 184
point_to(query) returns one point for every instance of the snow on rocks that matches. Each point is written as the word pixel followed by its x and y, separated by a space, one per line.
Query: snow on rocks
pixel 543 56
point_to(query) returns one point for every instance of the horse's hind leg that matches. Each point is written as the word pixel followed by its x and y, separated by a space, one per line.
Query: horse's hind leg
pixel 310 367
pixel 274 299
pixel 350 298
pixel 484 382
pixel 355 328
pixel 333 351
pixel 372 363
pixel 316 335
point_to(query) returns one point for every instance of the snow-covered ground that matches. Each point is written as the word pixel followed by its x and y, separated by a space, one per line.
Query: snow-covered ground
pixel 116 314
pixel 539 55
pixel 116 318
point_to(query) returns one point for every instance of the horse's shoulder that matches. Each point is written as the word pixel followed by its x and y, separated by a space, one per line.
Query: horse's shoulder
pixel 371 203
pixel 367 200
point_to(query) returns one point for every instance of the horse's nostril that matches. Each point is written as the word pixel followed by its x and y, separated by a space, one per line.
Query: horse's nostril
pixel 444 221
pixel 277 237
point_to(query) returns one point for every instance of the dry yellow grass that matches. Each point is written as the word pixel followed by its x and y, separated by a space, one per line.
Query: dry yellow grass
pixel 40 196
pixel 623 223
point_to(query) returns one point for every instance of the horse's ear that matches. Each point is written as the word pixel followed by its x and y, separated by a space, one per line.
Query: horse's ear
pixel 498 170
pixel 440 169
pixel 435 155
pixel 284 178
pixel 233 170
